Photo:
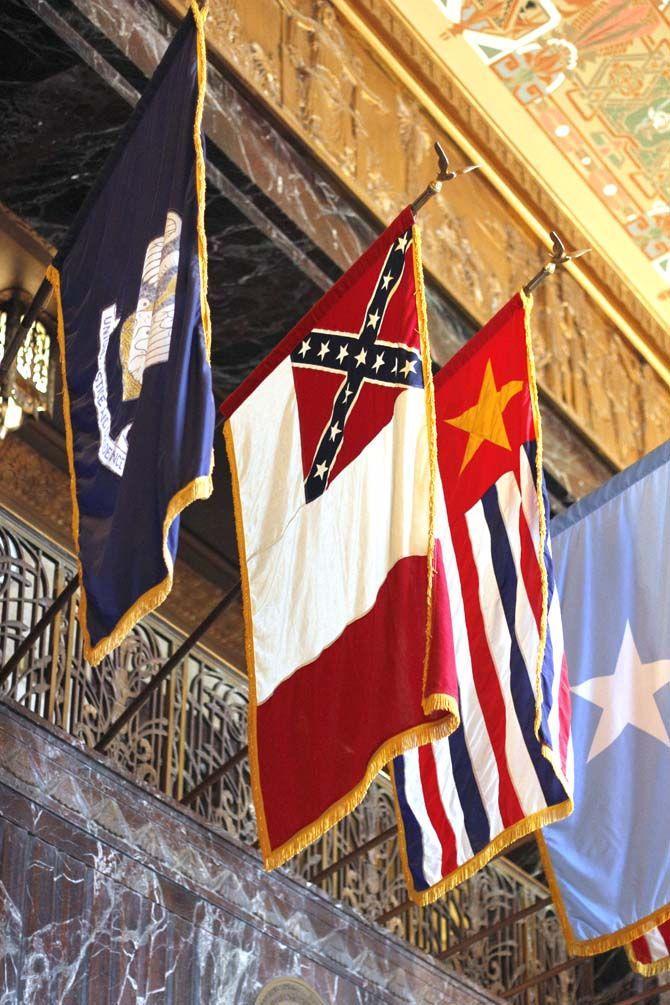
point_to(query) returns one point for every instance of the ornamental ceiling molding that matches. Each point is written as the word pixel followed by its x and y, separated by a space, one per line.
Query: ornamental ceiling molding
pixel 521 187
pixel 342 91
pixel 503 161
pixel 359 36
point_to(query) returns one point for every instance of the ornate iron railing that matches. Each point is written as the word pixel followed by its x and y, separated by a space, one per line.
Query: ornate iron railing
pixel 196 721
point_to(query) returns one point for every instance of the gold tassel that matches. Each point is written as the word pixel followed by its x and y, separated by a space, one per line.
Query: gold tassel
pixel 434 702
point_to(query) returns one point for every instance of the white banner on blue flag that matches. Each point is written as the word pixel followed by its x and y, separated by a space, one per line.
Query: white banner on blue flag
pixel 134 335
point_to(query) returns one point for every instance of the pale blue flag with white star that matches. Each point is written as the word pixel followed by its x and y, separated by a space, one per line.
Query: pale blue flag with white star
pixel 609 862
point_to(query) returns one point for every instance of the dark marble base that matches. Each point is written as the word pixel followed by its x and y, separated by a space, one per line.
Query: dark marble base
pixel 109 894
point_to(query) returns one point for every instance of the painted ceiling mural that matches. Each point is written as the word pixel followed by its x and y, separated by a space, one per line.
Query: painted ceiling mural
pixel 595 76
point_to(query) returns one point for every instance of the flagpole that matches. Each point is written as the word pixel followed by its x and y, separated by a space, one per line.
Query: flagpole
pixel 393 912
pixel 31 638
pixel 215 776
pixel 16 337
pixel 559 258
pixel 361 849
pixel 20 329
pixel 232 762
pixel 569 964
pixel 405 905
pixel 167 668
pixel 444 173
pixel 644 996
pixel 59 602
pixel 487 930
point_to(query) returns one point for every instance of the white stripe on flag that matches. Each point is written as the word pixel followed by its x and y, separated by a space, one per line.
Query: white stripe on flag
pixel 529 497
pixel 432 847
pixel 477 740
pixel 509 501
pixel 529 502
pixel 450 799
pixel 518 758
pixel 656 943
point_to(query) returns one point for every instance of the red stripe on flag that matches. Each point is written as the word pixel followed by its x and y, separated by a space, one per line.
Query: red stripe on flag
pixel 530 569
pixel 371 677
pixel 641 950
pixel 431 794
pixel 484 672
pixel 441 673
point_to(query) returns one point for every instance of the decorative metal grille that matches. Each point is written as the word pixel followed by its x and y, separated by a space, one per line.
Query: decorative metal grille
pixel 196 721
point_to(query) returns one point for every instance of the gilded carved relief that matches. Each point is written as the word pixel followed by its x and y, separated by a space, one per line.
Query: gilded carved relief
pixel 595 78
pixel 307 62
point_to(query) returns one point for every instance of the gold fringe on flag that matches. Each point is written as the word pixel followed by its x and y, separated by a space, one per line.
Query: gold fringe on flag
pixel 201 487
pixel 399 744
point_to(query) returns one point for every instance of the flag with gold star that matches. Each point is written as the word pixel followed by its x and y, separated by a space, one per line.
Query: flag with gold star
pixel 507 769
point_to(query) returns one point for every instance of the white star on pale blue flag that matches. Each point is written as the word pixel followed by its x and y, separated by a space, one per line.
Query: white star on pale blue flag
pixel 626 697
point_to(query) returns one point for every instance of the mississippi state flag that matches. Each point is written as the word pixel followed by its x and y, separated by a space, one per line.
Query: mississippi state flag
pixel 331 448
pixel 506 770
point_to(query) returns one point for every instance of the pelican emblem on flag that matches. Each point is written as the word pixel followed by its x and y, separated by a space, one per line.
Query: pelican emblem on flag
pixel 144 339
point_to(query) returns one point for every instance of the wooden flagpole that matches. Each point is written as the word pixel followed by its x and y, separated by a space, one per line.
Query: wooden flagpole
pixel 532 982
pixel 22 326
pixel 215 776
pixel 38 630
pixel 483 933
pixel 167 668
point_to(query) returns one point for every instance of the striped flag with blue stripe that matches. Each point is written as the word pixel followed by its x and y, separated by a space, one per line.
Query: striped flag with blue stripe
pixel 507 769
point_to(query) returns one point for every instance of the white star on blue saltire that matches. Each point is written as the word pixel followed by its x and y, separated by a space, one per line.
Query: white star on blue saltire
pixel 321 470
pixel 304 348
pixel 334 430
pixel 403 241
pixel 626 697
pixel 373 319
pixel 379 362
pixel 343 351
pixel 323 351
pixel 360 359
pixel 408 367
pixel 347 393
pixel 386 280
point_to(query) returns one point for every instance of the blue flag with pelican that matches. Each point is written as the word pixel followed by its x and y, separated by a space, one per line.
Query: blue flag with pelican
pixel 609 863
pixel 134 338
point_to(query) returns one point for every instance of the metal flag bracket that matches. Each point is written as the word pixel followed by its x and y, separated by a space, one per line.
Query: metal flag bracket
pixel 444 173
pixel 559 257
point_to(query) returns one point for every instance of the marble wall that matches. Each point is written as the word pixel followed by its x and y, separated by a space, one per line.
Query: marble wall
pixel 109 894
